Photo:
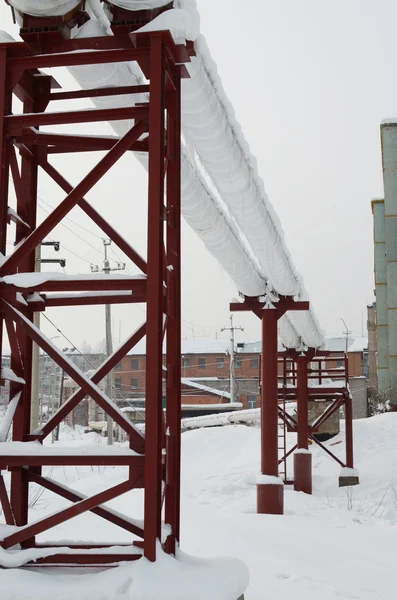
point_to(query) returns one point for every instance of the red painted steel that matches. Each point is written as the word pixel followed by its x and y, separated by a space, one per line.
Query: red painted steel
pixel 5 503
pixel 154 333
pixel 157 464
pixel 269 495
pixel 297 376
pixel 303 460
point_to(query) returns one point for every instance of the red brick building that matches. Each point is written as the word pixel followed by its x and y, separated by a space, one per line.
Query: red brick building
pixel 205 370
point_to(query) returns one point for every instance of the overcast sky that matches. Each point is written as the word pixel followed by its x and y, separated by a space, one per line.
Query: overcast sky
pixel 310 81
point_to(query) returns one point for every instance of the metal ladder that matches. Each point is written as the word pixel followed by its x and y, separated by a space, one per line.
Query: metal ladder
pixel 282 433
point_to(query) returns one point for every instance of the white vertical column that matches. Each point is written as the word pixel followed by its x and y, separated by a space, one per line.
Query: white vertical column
pixel 389 160
pixel 382 336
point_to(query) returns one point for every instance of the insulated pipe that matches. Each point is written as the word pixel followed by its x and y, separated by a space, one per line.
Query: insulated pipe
pixel 218 231
pixel 389 160
pixel 382 334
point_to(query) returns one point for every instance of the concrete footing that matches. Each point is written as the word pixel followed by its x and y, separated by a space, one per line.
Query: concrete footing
pixel 345 480
pixel 303 472
pixel 270 498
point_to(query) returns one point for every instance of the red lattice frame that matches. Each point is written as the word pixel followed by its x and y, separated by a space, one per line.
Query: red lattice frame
pixel 155 462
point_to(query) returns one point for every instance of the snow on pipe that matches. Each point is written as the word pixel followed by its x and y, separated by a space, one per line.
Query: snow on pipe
pixel 209 125
pixel 200 208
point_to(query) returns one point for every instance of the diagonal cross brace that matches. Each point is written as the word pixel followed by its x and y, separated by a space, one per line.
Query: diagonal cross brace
pixel 29 531
pixel 85 185
pixel 96 217
pixel 103 370
pixel 78 376
pixel 106 513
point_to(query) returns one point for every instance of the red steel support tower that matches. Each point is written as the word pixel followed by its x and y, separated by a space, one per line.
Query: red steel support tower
pixel 270 488
pixel 153 460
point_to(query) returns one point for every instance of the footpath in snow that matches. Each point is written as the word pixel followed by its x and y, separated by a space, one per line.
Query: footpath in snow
pixel 338 543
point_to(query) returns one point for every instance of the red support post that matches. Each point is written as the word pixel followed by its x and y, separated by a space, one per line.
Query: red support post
pixel 155 308
pixel 270 489
pixel 302 456
pixel 173 390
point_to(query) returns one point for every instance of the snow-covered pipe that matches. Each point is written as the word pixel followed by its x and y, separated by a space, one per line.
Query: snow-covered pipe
pixel 45 8
pixel 200 207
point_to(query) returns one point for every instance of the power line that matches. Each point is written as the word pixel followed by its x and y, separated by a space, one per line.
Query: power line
pixel 88 361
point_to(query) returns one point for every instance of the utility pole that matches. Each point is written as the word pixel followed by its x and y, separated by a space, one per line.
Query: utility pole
pixel 232 329
pixel 35 417
pixel 106 268
pixel 347 333
pixel 60 402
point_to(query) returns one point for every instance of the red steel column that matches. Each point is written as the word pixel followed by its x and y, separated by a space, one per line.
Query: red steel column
pixel 154 311
pixel 5 109
pixel 173 399
pixel 302 457
pixel 270 489
pixel 349 432
pixel 26 209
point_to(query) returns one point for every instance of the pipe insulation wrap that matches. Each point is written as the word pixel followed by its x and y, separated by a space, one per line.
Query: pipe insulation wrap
pixel 44 8
pixel 244 235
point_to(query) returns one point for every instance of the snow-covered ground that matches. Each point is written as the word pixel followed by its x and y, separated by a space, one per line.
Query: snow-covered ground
pixel 338 543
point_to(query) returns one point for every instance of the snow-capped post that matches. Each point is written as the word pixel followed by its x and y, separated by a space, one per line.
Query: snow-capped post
pixel 269 309
pixel 302 456
pixel 269 486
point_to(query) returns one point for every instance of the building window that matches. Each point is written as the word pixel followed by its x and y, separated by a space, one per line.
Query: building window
pixel 251 401
pixel 254 363
pixel 201 363
pixel 118 366
pixel 340 364
pixel 220 362
pixel 134 364
pixel 134 383
pixel 117 383
pixel 185 361
pixel 237 362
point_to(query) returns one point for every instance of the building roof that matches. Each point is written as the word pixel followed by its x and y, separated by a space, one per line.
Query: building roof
pixel 338 344
pixel 202 346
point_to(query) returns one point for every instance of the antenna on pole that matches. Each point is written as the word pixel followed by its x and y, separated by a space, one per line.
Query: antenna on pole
pixel 232 329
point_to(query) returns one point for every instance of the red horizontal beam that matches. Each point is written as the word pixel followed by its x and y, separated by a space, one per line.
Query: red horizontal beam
pixel 58 143
pixel 70 460
pixel 259 306
pixel 75 59
pixel 14 124
pixel 92 300
pixel 97 92
pixel 86 559
pixel 89 284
